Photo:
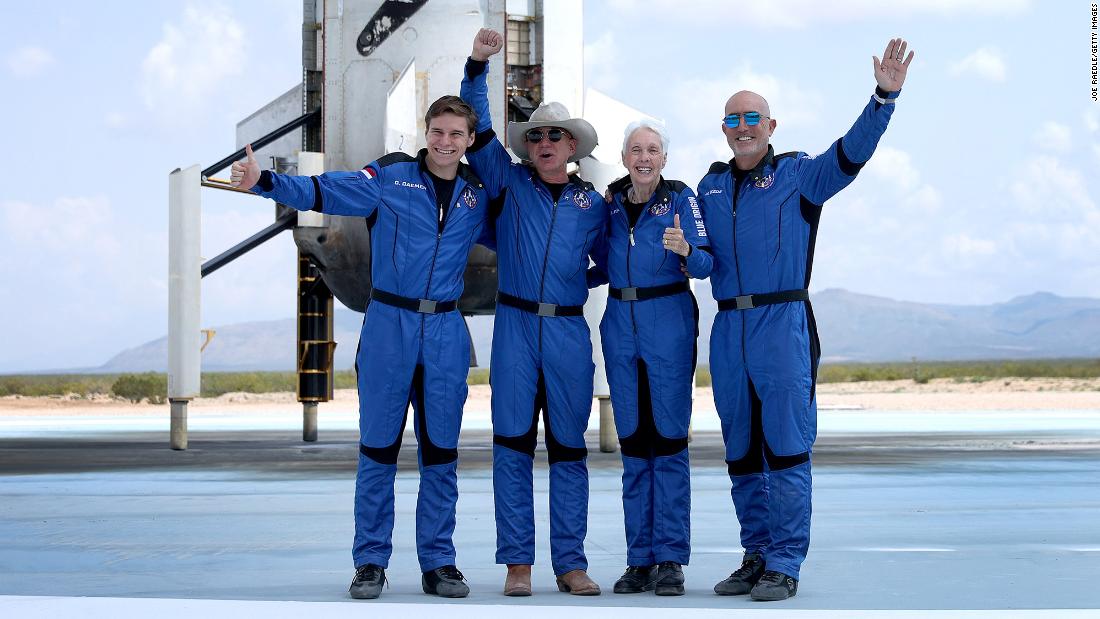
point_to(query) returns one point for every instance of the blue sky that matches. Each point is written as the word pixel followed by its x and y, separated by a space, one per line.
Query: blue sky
pixel 985 186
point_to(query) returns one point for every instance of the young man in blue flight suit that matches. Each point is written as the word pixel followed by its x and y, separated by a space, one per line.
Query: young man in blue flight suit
pixel 547 226
pixel 424 214
pixel 761 212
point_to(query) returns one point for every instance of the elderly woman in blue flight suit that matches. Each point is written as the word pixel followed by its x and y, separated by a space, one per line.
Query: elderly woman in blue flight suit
pixel 656 241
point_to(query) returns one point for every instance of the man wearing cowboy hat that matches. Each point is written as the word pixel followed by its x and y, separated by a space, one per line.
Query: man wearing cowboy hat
pixel 546 224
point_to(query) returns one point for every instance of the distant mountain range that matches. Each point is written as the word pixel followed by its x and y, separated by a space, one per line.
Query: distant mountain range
pixel 853 327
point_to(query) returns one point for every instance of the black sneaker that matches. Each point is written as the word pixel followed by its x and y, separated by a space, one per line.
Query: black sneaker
pixel 636 579
pixel 743 578
pixel 368 581
pixel 774 586
pixel 446 582
pixel 670 579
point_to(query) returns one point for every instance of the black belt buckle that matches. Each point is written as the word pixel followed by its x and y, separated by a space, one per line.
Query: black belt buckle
pixel 628 294
pixel 547 309
pixel 426 306
pixel 743 302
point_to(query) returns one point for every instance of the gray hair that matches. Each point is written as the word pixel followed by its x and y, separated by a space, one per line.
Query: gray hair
pixel 652 125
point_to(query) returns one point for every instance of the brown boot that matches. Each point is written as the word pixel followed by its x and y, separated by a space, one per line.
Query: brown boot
pixel 518 582
pixel 577 582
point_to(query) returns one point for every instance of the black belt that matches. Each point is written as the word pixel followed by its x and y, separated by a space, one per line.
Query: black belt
pixel 542 309
pixel 749 301
pixel 424 306
pixel 651 292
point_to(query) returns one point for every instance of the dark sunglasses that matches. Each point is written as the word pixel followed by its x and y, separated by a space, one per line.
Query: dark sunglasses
pixel 751 119
pixel 534 136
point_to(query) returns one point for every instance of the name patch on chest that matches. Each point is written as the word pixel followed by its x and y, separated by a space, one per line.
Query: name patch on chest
pixel 410 185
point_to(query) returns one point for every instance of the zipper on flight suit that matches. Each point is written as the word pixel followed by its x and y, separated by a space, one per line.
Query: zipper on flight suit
pixel 549 236
pixel 438 237
pixel 737 184
pixel 629 280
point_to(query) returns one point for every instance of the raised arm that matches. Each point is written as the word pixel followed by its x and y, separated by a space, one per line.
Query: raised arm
pixel 334 193
pixel 487 155
pixel 822 177
pixel 487 42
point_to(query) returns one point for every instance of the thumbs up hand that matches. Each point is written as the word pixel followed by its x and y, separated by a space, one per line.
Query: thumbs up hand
pixel 674 238
pixel 245 174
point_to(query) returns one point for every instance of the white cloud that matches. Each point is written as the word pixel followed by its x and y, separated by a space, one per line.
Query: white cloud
pixel 894 168
pixel 182 73
pixel 85 258
pixel 115 120
pixel 1051 225
pixel 791 104
pixel 99 278
pixel 985 63
pixel 601 58
pixel 965 247
pixel 799 14
pixel 926 199
pixel 89 278
pixel 79 225
pixel 1059 193
pixel 689 161
pixel 1092 120
pixel 1054 136
pixel 29 61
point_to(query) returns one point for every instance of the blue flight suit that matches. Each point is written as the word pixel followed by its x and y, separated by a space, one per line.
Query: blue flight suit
pixel 649 353
pixel 405 356
pixel 539 362
pixel 763 359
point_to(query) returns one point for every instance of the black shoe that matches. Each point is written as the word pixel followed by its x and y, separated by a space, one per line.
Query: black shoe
pixel 368 582
pixel 743 578
pixel 774 586
pixel 446 582
pixel 670 579
pixel 636 579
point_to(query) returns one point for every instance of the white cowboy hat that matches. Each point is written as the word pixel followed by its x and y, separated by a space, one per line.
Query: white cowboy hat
pixel 553 114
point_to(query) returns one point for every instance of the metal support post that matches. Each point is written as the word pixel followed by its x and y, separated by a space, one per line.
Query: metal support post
pixel 309 422
pixel 184 291
pixel 609 440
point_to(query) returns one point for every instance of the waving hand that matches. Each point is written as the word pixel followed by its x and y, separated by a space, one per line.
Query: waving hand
pixel 890 72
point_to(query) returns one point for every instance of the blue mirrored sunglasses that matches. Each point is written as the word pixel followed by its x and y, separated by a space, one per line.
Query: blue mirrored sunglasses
pixel 751 119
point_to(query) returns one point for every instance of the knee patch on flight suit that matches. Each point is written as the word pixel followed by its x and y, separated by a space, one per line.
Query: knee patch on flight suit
pixel 525 443
pixel 430 453
pixel 646 441
pixel 758 450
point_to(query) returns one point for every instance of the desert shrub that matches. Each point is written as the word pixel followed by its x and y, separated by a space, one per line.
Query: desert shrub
pixel 137 387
